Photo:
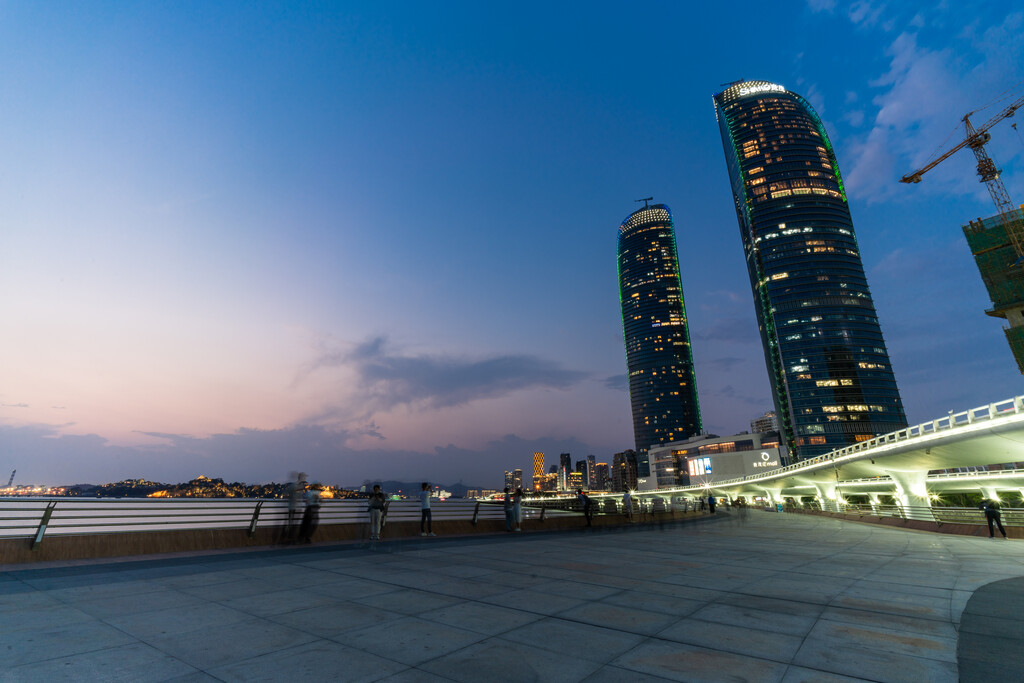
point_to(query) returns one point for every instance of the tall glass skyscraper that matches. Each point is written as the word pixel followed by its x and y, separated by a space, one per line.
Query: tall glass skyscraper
pixel 661 380
pixel 830 373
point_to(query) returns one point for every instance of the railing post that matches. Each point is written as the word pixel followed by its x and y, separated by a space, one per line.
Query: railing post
pixel 43 523
pixel 543 512
pixel 992 412
pixel 476 513
pixel 255 518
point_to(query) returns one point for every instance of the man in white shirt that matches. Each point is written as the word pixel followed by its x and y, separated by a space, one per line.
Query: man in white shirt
pixel 425 520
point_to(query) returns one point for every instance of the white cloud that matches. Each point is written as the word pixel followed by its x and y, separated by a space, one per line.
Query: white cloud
pixel 821 5
pixel 921 99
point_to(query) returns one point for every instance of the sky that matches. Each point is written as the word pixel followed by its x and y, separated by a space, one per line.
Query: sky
pixel 376 240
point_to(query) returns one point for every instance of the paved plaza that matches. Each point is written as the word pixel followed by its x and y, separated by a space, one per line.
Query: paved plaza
pixel 773 597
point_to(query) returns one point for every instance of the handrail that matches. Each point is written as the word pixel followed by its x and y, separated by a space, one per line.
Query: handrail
pixel 57 516
pixel 941 515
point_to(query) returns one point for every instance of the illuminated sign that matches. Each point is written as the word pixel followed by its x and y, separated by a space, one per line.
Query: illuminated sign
pixel 766 460
pixel 764 87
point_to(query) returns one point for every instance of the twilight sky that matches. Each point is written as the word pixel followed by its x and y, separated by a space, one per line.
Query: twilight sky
pixel 377 240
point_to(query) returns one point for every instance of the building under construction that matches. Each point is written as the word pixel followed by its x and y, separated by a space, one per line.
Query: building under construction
pixel 996 256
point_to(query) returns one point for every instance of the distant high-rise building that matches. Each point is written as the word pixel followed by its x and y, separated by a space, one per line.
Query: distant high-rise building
pixel 831 378
pixel 662 389
pixel 768 422
pixel 624 471
pixel 514 479
pixel 592 474
pixel 538 470
pixel 564 467
pixel 601 477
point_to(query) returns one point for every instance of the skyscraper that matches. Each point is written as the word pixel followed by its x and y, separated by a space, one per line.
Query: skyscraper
pixel 662 389
pixel 831 379
pixel 538 470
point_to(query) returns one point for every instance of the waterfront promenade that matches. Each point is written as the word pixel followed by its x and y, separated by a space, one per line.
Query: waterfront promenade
pixel 775 597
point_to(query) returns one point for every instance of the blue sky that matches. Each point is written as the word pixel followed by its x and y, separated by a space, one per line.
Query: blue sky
pixel 377 240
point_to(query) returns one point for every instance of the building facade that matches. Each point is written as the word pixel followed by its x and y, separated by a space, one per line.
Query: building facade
pixel 831 378
pixel 662 388
pixel 993 250
pixel 769 422
pixel 538 470
pixel 704 460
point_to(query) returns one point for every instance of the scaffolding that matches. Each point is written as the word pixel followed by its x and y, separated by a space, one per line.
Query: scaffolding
pixel 990 242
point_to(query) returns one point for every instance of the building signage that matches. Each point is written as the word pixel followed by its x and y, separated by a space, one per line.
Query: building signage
pixel 766 460
pixel 764 87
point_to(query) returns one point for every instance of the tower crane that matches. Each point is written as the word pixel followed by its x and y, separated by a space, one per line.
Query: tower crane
pixel 976 139
pixel 11 480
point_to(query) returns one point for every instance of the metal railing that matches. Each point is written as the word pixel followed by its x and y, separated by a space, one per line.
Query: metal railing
pixel 940 515
pixel 39 517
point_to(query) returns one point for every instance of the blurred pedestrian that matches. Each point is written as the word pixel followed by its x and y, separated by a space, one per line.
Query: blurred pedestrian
pixel 311 518
pixel 510 512
pixel 711 503
pixel 627 505
pixel 584 502
pixel 295 492
pixel 425 517
pixel 376 507
pixel 517 509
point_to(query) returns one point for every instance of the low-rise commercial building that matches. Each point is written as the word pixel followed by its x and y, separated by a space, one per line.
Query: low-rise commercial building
pixel 707 459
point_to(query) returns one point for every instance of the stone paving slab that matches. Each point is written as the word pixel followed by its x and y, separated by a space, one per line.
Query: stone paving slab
pixel 777 598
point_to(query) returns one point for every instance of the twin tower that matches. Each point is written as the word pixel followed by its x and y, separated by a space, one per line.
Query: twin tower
pixel 831 379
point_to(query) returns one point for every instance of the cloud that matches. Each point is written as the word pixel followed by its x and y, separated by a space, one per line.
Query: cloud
pixel 737 330
pixel 821 5
pixel 617 382
pixel 14 405
pixel 257 455
pixel 730 392
pixel 865 13
pixel 923 95
pixel 386 379
pixel 726 364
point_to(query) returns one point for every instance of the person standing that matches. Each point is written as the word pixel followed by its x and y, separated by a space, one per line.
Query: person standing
pixel 376 508
pixel 627 505
pixel 711 503
pixel 311 518
pixel 509 510
pixel 585 504
pixel 993 514
pixel 425 517
pixel 295 492
pixel 517 510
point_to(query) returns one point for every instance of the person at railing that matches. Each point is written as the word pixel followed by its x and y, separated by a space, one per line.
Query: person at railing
pixel 517 510
pixel 584 502
pixel 993 514
pixel 296 491
pixel 509 506
pixel 425 515
pixel 311 518
pixel 376 508
pixel 627 505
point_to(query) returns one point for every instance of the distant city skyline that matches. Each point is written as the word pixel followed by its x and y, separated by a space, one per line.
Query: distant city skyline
pixel 373 242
